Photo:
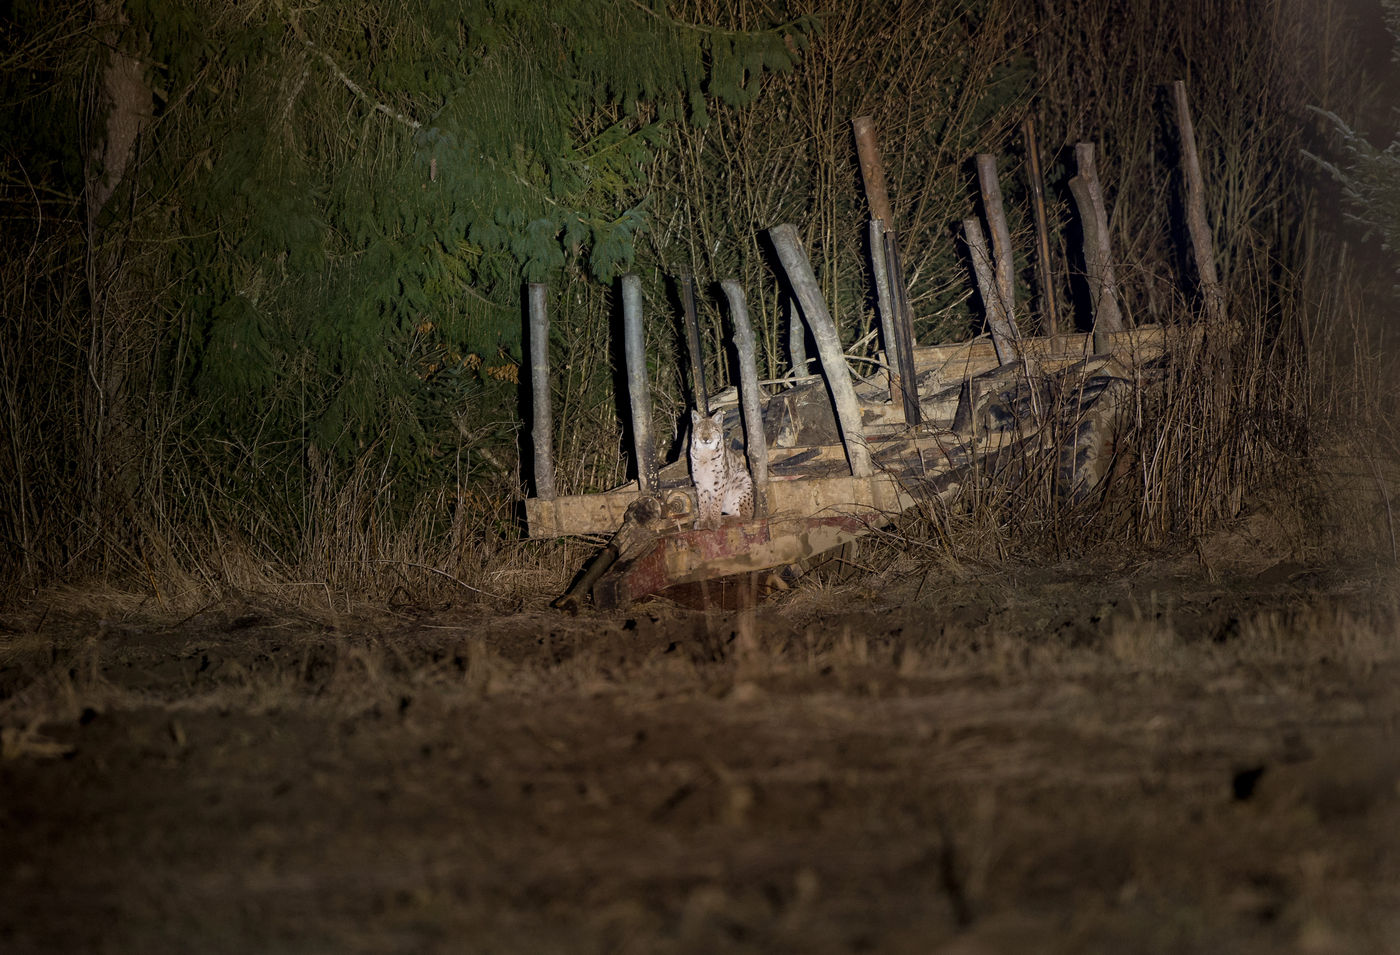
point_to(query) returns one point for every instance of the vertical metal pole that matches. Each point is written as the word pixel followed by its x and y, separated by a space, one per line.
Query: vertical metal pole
pixel 838 376
pixel 542 433
pixel 698 391
pixel 755 442
pixel 638 391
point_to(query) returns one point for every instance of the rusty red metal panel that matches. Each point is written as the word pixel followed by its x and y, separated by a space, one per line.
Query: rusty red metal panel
pixel 733 548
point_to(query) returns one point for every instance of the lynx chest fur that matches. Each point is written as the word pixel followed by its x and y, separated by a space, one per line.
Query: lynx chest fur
pixel 722 483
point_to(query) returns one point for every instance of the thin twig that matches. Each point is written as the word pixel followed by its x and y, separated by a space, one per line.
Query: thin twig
pixel 440 573
pixel 351 84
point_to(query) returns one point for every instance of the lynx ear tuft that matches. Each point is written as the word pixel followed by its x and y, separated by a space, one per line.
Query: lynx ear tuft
pixel 718 417
pixel 694 416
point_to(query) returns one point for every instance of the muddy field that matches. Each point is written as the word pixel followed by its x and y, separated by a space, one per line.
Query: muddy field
pixel 1127 755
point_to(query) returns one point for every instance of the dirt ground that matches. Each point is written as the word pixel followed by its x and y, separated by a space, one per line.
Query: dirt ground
pixel 1127 755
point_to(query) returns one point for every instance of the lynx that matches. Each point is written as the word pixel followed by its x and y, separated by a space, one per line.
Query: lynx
pixel 722 483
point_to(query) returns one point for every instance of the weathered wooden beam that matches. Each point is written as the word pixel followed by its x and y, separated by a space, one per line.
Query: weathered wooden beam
pixel 699 392
pixel 638 389
pixel 838 376
pixel 1098 255
pixel 542 431
pixel 755 443
pixel 1202 245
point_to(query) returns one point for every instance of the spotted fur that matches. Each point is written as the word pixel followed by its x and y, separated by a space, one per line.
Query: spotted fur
pixel 722 483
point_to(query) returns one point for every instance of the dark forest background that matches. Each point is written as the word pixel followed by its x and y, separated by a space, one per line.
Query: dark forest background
pixel 263 263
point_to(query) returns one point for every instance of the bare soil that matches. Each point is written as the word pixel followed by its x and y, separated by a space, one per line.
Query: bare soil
pixel 1147 756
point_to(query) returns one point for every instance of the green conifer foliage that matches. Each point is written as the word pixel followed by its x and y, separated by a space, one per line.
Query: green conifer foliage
pixel 361 189
pixel 1369 175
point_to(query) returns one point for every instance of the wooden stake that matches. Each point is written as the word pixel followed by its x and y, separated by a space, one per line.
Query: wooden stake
pixel 542 432
pixel 884 302
pixel 838 377
pixel 903 335
pixel 638 391
pixel 872 173
pixel 1003 335
pixel 755 442
pixel 1044 273
pixel 797 339
pixel 1098 257
pixel 1001 244
pixel 1202 246
pixel 872 170
pixel 698 391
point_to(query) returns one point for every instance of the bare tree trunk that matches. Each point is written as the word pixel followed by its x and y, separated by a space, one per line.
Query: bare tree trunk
pixel 1050 324
pixel 1098 258
pixel 838 376
pixel 755 442
pixel 121 109
pixel 1197 225
pixel 903 323
pixel 1001 250
pixel 1003 336
pixel 699 392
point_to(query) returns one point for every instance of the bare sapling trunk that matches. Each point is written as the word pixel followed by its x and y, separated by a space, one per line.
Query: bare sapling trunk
pixel 542 431
pixel 1044 271
pixel 1005 285
pixel 638 389
pixel 1202 245
pixel 903 323
pixel 838 377
pixel 1002 338
pixel 797 339
pixel 122 112
pixel 884 302
pixel 699 393
pixel 872 174
pixel 1098 258
pixel 755 443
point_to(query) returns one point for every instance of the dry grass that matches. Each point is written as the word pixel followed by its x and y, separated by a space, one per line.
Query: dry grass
pixel 1302 383
pixel 1172 760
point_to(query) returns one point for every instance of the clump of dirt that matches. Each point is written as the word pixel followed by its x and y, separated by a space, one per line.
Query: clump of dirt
pixel 1143 755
